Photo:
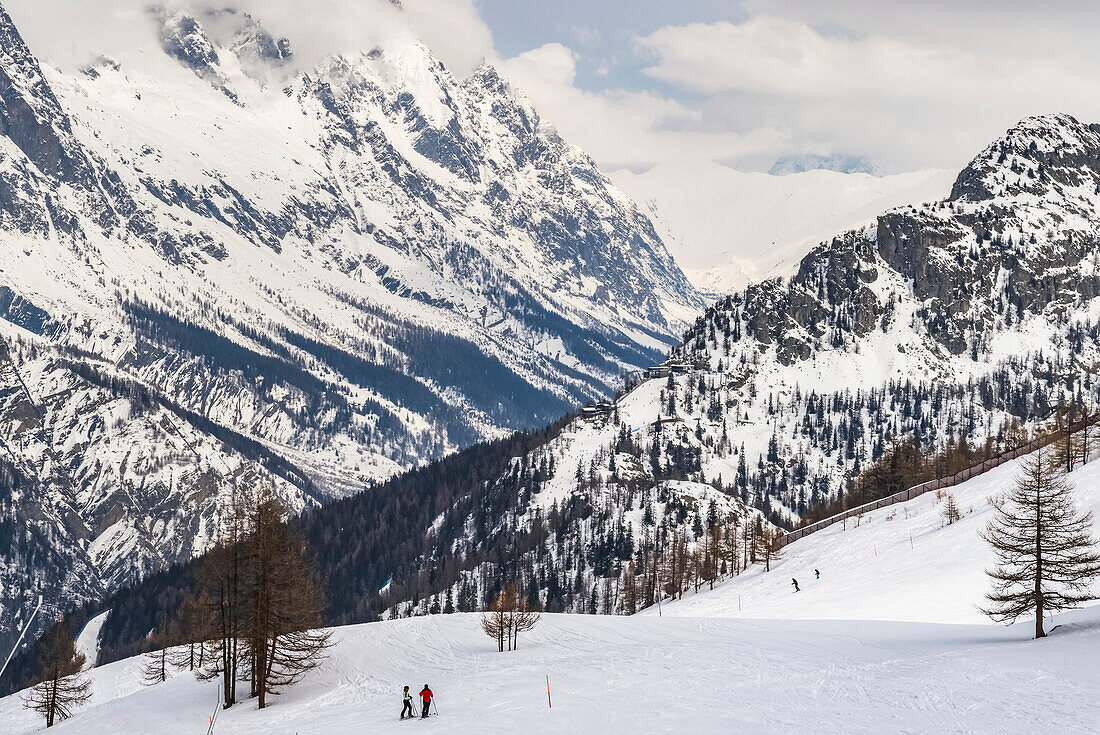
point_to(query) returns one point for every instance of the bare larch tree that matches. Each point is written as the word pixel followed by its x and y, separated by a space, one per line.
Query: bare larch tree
pixel 195 619
pixel 507 616
pixel 1046 555
pixel 59 685
pixel 282 631
pixel 157 663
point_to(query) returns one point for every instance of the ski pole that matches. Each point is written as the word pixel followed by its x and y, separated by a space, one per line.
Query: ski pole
pixel 434 705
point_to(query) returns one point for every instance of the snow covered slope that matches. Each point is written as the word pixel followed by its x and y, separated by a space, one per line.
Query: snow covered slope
pixel 970 318
pixel 887 640
pixel 645 675
pixel 219 268
pixel 728 228
pixel 904 562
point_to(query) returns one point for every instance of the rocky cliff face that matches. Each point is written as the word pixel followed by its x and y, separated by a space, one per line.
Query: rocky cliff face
pixel 973 318
pixel 1018 232
pixel 218 269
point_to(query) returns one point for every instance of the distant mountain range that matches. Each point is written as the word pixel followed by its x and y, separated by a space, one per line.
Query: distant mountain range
pixel 729 228
pixel 845 164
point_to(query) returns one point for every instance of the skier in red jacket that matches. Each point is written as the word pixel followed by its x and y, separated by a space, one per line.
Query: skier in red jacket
pixel 426 696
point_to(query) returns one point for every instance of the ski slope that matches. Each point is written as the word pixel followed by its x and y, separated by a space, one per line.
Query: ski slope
pixel 646 674
pixel 901 563
pixel 886 643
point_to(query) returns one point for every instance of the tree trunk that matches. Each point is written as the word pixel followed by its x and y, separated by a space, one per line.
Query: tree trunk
pixel 1039 632
pixel 52 702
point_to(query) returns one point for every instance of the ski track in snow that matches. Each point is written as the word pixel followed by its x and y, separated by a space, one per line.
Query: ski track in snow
pixel 891 643
pixel 87 642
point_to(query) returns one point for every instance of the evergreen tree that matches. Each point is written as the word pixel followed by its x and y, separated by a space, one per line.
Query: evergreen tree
pixel 950 510
pixel 1045 551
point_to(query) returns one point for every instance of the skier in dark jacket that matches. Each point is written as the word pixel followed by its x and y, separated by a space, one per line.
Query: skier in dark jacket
pixel 817 574
pixel 407 698
pixel 795 583
pixel 426 696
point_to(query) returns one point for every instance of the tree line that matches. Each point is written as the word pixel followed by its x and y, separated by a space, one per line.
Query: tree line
pixel 251 614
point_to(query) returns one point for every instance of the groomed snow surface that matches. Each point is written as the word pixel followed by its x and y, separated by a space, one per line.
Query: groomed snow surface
pixel 886 643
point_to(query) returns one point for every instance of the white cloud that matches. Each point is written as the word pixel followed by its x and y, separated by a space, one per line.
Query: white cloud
pixel 549 65
pixel 777 56
pixel 619 127
pixel 71 32
pixel 911 98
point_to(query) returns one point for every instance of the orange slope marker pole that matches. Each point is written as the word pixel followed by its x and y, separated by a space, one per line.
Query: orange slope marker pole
pixel 548 702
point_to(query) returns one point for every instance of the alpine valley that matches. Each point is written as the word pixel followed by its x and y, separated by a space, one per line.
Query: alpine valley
pixel 938 336
pixel 383 290
pixel 217 267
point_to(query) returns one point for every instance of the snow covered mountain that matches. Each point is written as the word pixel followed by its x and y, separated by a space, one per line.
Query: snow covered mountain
pixel 955 328
pixel 728 228
pixel 219 268
pixel 973 317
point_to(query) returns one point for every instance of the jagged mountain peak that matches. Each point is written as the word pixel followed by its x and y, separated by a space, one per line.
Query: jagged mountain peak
pixel 1050 133
pixel 327 281
pixel 1039 154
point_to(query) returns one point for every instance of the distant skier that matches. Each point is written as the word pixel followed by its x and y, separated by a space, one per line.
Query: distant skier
pixel 426 695
pixel 407 698
pixel 795 583
pixel 817 574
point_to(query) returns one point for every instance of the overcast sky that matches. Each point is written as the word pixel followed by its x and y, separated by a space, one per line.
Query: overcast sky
pixel 907 84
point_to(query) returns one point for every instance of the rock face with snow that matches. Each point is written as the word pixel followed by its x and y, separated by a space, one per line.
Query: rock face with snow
pixel 974 318
pixel 218 269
